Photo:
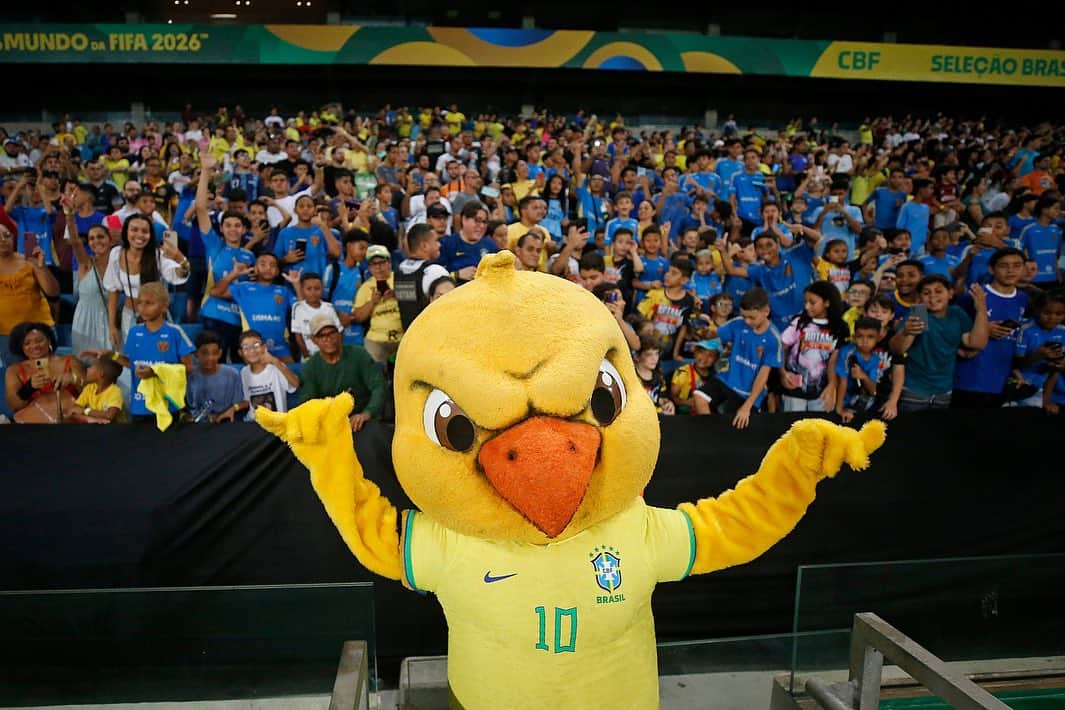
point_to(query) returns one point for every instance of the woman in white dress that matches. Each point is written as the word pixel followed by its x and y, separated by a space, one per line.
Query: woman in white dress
pixel 90 329
pixel 138 261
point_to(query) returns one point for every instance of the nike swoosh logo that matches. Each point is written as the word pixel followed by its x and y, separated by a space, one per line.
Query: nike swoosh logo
pixel 488 578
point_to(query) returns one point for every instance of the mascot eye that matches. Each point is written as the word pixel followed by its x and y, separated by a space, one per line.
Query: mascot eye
pixel 608 397
pixel 446 424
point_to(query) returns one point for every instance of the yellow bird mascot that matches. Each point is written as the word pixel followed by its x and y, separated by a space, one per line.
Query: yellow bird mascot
pixel 525 438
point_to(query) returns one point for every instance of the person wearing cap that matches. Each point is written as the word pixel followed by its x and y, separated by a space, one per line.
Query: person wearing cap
pixel 14 159
pixel 377 308
pixel 338 368
pixel 438 218
pixel 691 376
pixel 592 205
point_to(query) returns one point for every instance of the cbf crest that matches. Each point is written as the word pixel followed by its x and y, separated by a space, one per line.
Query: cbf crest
pixel 607 566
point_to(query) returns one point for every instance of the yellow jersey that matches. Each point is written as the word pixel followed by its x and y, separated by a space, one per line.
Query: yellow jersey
pixel 385 326
pixel 103 400
pixel 519 613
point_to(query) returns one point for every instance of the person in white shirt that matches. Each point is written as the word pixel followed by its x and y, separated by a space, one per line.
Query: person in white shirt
pixel 303 311
pixel 139 202
pixel 13 159
pixel 272 153
pixel 274 120
pixel 266 381
pixel 280 186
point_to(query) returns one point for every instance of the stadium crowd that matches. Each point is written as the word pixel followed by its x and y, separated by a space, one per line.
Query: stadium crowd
pixel 916 266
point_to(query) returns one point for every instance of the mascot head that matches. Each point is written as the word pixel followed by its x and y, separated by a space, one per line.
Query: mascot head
pixel 519 415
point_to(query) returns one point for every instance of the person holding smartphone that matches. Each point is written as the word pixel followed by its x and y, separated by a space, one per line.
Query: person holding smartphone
pixel 376 304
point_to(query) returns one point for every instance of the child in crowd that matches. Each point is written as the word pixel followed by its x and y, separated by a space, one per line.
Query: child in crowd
pixel 783 273
pixel 696 327
pixel 689 242
pixel 881 308
pixel 655 264
pixel 213 390
pixel 668 307
pixel 623 218
pixel 622 263
pixel 754 347
pixel 743 255
pixel 308 244
pixel 980 377
pixel 263 303
pixel 976 261
pixel 306 309
pixel 908 274
pixel 266 381
pixel 592 270
pixel 900 242
pixel 811 345
pixel 344 278
pixel 101 401
pixel 722 306
pixel 654 383
pixel 832 265
pixel 914 215
pixel 930 341
pixel 1041 240
pixel 858 294
pixel 1024 216
pixel 1039 349
pixel 863 369
pixel 706 281
pixel 937 260
pixel 692 376
pixel 153 341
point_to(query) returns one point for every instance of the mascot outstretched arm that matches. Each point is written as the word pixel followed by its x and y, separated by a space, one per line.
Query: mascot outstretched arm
pixel 524 438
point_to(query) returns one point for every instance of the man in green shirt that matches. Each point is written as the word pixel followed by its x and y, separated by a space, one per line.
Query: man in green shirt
pixel 337 368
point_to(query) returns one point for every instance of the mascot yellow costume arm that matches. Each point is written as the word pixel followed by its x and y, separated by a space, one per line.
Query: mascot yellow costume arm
pixel 319 434
pixel 742 523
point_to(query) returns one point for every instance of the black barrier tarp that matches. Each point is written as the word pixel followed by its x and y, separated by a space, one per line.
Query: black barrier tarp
pixel 87 507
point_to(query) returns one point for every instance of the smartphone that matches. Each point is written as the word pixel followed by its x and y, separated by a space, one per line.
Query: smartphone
pixel 490 192
pixel 29 243
pixel 920 312
pixel 170 237
pixel 301 245
pixel 581 223
pixel 382 285
pixel 833 199
pixel 1010 323
pixel 41 364
pixel 612 297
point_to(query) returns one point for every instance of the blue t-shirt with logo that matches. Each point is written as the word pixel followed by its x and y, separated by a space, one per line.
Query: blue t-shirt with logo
pixel 709 181
pixel 220 259
pixel 654 269
pixel 265 308
pixel 980 263
pixel 750 191
pixel 836 226
pixel 750 352
pixel 913 217
pixel 874 367
pixel 888 203
pixel 785 282
pixel 617 223
pixel 37 221
pixel 456 254
pixel 1017 225
pixel 314 257
pixel 1044 245
pixel 705 286
pixel 1030 338
pixel 726 168
pixel 987 372
pixel 168 345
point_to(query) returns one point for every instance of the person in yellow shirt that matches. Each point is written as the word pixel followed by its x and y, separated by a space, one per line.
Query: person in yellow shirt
pixel 117 166
pixel 376 304
pixel 101 401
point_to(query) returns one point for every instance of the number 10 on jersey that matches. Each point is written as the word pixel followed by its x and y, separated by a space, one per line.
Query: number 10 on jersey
pixel 560 624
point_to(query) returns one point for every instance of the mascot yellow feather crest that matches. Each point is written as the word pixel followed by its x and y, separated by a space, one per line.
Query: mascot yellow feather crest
pixel 524 438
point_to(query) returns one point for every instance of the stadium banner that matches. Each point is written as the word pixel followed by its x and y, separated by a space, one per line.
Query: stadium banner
pixel 530 48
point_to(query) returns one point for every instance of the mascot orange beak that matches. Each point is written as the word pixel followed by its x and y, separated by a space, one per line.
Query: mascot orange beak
pixel 542 467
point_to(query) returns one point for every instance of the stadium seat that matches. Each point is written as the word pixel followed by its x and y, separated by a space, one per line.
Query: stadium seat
pixel 192 329
pixel 178 301
pixel 62 334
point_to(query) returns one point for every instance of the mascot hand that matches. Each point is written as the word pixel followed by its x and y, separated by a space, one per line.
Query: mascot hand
pixel 821 447
pixel 313 428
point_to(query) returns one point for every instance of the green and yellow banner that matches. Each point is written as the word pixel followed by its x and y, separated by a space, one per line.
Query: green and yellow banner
pixel 573 49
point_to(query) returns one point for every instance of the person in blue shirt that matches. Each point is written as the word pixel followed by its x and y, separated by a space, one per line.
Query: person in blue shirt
pixel 1039 348
pixel 701 180
pixel 747 190
pixel 1023 161
pixel 264 305
pixel 755 352
pixel 976 259
pixel 342 280
pixel 937 260
pixel 655 263
pixel 980 377
pixel 385 210
pixel 308 244
pixel 243 177
pixel 219 314
pixel 864 367
pixel 1042 242
pixel 915 214
pixel 623 206
pixel 461 251
pixel 672 203
pixel 731 164
pixel 839 220
pixel 592 204
pixel 1025 214
pixel 154 341
pixel 783 273
pixel 885 202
